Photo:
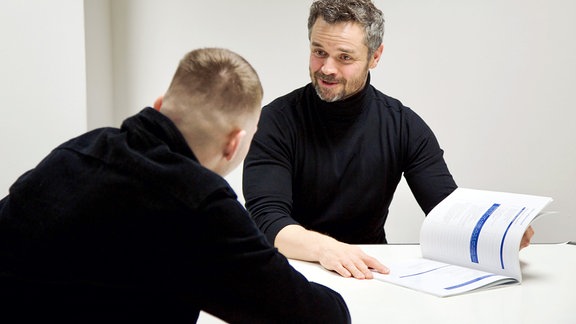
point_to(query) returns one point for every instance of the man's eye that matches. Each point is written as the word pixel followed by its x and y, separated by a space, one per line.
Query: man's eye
pixel 346 58
pixel 319 53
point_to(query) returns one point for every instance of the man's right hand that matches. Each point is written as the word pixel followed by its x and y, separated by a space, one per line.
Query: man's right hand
pixel 296 242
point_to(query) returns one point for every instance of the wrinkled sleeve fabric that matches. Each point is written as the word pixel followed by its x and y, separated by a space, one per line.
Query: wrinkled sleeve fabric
pixel 425 169
pixel 251 282
pixel 267 176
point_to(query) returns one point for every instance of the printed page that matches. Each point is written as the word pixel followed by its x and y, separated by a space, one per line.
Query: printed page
pixel 438 278
pixel 480 229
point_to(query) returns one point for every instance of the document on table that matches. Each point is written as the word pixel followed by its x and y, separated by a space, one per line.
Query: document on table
pixel 469 241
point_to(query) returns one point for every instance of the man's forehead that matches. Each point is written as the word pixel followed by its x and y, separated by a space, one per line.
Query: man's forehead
pixel 347 37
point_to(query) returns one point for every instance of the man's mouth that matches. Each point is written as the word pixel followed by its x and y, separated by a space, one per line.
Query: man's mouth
pixel 328 82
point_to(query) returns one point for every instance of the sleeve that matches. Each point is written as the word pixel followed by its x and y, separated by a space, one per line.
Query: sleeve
pixel 251 282
pixel 267 176
pixel 425 170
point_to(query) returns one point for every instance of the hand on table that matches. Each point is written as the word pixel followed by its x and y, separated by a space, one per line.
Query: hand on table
pixel 349 261
pixel 296 242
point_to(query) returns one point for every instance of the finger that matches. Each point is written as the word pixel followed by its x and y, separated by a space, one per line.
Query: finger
pixel 341 270
pixel 356 273
pixel 373 263
pixel 530 232
pixel 524 243
pixel 527 237
pixel 366 272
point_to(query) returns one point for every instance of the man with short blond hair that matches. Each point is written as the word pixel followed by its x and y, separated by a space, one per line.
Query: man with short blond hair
pixel 138 225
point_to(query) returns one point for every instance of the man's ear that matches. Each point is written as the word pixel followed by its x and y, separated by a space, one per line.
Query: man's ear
pixel 158 103
pixel 234 140
pixel 376 56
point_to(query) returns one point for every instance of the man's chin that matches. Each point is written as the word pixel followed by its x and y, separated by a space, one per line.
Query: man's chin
pixel 327 96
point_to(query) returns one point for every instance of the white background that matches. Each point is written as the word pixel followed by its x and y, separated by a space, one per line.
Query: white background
pixel 494 79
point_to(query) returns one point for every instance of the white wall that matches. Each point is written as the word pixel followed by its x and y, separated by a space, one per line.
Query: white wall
pixel 99 64
pixel 493 78
pixel 42 81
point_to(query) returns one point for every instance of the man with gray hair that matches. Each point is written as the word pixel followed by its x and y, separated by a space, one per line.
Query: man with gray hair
pixel 327 158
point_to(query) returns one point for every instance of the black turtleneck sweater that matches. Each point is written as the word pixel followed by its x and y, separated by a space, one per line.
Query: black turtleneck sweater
pixel 333 167
pixel 125 226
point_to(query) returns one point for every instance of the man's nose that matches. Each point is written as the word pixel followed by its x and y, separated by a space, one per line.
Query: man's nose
pixel 329 66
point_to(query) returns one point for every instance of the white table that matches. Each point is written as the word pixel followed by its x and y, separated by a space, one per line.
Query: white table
pixel 546 294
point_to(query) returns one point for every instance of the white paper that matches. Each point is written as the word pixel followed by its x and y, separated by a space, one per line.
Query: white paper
pixel 468 241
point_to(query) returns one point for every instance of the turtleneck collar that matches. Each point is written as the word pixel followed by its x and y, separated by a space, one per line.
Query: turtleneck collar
pixel 343 110
pixel 152 125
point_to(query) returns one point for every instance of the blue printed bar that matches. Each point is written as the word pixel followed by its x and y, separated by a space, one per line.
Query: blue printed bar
pixel 476 232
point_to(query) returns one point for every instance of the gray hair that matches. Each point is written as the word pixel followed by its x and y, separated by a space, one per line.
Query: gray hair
pixel 363 12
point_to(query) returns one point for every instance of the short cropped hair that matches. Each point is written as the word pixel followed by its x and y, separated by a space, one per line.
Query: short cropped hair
pixel 363 12
pixel 218 78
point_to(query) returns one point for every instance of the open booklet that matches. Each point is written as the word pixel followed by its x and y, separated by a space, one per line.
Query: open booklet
pixel 469 241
